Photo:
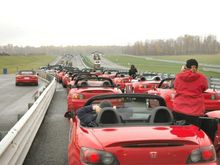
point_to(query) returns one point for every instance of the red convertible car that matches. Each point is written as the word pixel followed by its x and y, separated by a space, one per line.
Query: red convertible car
pixel 133 133
pixel 143 83
pixel 76 76
pixel 59 75
pixel 109 73
pixel 85 88
pixel 121 79
pixel 166 90
pixel 26 77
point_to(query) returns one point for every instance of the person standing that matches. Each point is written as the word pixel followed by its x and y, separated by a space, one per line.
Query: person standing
pixel 133 71
pixel 188 102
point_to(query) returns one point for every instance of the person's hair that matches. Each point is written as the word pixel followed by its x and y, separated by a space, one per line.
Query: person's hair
pixel 105 103
pixel 191 62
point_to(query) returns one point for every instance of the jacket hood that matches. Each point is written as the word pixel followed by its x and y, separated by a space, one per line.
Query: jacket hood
pixel 189 76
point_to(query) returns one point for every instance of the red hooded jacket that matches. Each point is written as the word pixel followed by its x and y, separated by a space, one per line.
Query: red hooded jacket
pixel 189 98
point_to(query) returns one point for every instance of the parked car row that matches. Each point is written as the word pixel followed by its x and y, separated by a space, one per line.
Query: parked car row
pixel 139 128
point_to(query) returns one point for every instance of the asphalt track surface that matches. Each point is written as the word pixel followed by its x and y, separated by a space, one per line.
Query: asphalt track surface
pixel 50 144
pixel 14 100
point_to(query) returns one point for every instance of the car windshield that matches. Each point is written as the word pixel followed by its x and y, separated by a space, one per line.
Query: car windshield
pixel 149 76
pixel 137 111
pixel 93 82
pixel 27 72
pixel 110 71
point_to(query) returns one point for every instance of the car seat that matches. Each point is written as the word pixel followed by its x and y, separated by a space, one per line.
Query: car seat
pixel 108 115
pixel 161 115
pixel 84 84
pixel 106 84
pixel 142 79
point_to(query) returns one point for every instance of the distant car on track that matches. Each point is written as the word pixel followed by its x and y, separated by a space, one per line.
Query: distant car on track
pixel 132 132
pixel 27 77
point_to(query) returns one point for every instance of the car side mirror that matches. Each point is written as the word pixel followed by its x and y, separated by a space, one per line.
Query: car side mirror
pixel 69 114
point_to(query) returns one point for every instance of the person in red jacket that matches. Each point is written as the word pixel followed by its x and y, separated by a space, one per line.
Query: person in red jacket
pixel 189 84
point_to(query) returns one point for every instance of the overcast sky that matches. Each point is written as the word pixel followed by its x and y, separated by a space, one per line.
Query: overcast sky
pixel 104 22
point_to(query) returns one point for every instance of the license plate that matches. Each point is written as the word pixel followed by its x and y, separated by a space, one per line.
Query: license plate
pixel 26 78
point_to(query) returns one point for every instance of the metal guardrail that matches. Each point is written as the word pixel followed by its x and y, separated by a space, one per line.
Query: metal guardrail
pixel 17 142
pixel 214 83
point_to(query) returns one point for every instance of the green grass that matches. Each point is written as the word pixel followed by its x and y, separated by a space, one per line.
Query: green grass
pixel 15 63
pixel 87 61
pixel 152 65
pixel 206 59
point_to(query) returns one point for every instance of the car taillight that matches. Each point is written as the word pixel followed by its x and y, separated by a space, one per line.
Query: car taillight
pixel 18 77
pixel 78 96
pixel 93 157
pixel 34 77
pixel 203 154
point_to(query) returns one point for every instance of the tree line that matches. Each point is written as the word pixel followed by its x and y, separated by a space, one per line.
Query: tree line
pixel 187 44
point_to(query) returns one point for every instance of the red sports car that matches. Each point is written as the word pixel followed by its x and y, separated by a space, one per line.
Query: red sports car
pixel 97 71
pixel 133 133
pixel 59 75
pixel 26 77
pixel 109 73
pixel 166 90
pixel 143 83
pixel 121 79
pixel 85 88
pixel 66 79
pixel 215 114
pixel 76 76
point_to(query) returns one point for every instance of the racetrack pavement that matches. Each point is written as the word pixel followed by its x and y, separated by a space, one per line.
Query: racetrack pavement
pixel 50 144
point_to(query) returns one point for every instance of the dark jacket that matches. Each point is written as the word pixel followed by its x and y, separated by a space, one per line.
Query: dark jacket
pixel 87 116
pixel 189 98
pixel 132 72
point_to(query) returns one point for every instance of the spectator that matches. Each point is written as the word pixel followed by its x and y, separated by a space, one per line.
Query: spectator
pixel 87 115
pixel 189 84
pixel 133 71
